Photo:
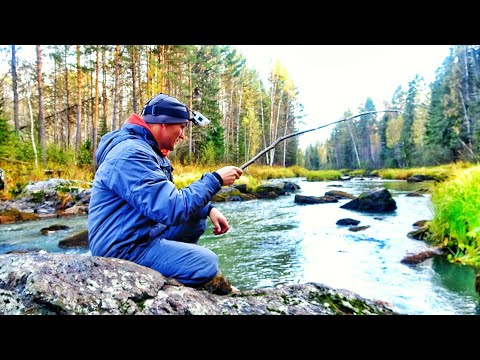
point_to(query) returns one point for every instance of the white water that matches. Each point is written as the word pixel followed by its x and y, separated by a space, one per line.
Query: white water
pixel 276 241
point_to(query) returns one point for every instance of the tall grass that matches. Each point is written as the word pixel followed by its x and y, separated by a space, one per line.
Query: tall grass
pixel 456 221
pixel 324 175
pixel 252 177
pixel 439 173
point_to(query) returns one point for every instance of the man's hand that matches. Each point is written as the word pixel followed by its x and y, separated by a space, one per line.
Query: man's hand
pixel 229 174
pixel 220 223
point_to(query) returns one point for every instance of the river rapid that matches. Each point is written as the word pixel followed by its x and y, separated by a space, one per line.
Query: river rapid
pixel 274 242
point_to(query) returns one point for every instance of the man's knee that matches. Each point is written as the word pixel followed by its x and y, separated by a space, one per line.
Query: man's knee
pixel 203 269
pixel 189 264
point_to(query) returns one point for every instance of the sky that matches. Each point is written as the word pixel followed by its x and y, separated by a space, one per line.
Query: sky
pixel 334 78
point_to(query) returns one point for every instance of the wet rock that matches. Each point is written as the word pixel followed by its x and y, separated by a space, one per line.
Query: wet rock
pixel 358 228
pixel 290 186
pixel 419 234
pixel 270 190
pixel 66 284
pixel 420 223
pixel 412 194
pixel 14 215
pixel 23 251
pixel 376 200
pixel 420 257
pixel 347 221
pixel 53 228
pixel 242 188
pixel 78 240
pixel 303 199
pixel 419 178
pixel 46 199
pixel 229 193
pixel 339 194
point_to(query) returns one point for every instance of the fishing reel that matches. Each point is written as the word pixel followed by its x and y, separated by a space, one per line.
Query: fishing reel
pixel 199 119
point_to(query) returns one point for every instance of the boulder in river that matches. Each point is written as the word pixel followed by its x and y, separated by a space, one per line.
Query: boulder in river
pixel 376 200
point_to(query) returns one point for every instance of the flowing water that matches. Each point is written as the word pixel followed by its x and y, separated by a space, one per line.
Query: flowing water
pixel 273 242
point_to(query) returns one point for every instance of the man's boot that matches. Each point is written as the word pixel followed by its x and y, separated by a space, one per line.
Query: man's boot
pixel 220 285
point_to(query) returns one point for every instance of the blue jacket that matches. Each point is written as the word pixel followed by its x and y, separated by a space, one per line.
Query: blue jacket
pixel 133 199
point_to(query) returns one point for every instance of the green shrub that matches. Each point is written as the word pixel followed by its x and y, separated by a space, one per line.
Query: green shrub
pixel 456 221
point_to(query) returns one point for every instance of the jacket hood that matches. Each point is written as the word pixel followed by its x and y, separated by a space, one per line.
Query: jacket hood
pixel 129 130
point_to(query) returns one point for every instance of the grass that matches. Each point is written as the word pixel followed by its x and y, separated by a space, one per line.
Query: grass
pixel 439 173
pixel 456 221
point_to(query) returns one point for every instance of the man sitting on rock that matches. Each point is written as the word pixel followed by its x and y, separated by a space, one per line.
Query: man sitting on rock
pixel 136 213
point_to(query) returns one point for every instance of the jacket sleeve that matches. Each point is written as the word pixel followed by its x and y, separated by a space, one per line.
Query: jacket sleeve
pixel 138 179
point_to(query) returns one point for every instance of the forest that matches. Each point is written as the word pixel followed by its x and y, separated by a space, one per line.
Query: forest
pixel 56 105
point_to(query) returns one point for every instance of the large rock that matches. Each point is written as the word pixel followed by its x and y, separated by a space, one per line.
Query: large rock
pixel 376 200
pixel 42 283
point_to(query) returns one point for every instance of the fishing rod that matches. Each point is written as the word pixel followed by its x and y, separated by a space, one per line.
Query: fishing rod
pixel 272 145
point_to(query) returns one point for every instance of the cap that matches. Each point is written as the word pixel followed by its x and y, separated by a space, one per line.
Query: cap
pixel 165 109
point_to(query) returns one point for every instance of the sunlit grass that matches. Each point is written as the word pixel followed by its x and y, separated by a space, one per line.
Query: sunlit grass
pixel 357 172
pixel 265 172
pixel 324 175
pixel 252 177
pixel 456 221
pixel 18 174
pixel 439 173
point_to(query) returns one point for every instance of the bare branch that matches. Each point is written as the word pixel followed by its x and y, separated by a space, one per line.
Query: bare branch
pixel 272 145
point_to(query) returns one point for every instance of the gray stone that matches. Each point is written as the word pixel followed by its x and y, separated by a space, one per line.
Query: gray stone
pixel 66 284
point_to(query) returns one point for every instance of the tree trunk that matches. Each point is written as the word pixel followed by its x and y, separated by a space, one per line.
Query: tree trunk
pixel 354 146
pixel 55 114
pixel 190 130
pixel 237 141
pixel 78 140
pixel 104 92
pixel 41 117
pixel 15 89
pixel 141 98
pixel 32 129
pixel 272 113
pixel 149 74
pixel 95 107
pixel 263 122
pixel 285 143
pixel 275 131
pixel 69 123
pixel 133 69
pixel 116 87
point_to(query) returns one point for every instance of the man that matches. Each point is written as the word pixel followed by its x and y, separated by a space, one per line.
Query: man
pixel 136 213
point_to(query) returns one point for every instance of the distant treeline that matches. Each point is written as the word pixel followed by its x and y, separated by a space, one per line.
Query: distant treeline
pixel 56 105
pixel 439 123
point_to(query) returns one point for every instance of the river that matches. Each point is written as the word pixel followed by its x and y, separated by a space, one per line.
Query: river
pixel 274 242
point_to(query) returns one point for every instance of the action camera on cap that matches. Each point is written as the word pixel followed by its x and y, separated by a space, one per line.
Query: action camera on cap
pixel 199 119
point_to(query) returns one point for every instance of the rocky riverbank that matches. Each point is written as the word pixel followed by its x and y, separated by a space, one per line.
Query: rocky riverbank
pixel 60 284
